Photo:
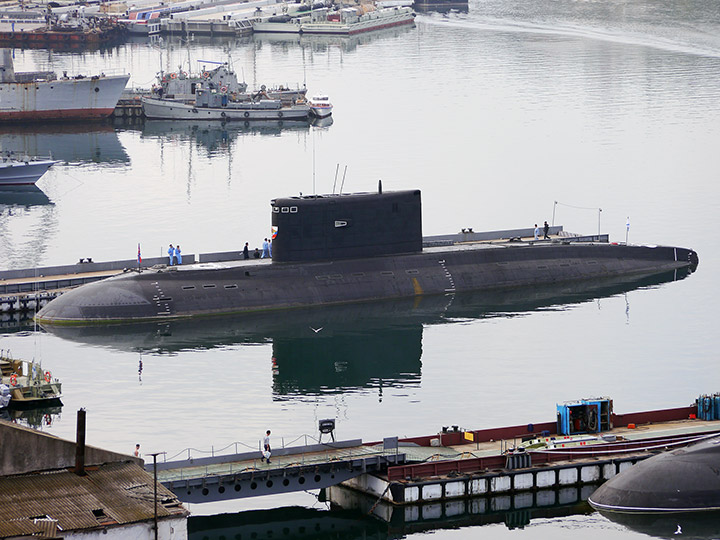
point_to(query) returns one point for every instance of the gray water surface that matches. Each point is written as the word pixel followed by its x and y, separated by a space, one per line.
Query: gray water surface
pixel 494 114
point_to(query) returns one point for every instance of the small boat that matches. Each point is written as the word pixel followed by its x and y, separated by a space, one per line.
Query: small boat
pixel 320 106
pixel 24 384
pixel 22 172
pixel 210 105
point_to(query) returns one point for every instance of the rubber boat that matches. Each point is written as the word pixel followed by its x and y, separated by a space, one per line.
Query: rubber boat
pixel 336 249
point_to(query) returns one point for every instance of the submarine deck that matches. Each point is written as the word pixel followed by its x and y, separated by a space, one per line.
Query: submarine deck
pixel 65 277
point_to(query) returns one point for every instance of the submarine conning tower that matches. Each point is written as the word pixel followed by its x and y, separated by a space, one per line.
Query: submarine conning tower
pixel 346 226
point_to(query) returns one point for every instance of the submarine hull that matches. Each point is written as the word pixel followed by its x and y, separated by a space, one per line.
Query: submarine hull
pixel 683 480
pixel 258 285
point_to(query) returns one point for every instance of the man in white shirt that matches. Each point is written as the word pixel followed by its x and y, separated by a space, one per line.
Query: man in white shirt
pixel 266 446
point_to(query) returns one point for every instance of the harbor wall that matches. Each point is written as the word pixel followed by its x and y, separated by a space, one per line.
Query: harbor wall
pixel 24 450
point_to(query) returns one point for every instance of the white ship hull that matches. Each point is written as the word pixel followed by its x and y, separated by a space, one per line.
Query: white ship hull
pixel 172 110
pixel 84 98
pixel 373 20
pixel 21 173
pixel 291 27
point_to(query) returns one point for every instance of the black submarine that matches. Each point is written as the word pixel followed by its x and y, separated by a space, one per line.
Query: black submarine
pixel 345 248
pixel 685 480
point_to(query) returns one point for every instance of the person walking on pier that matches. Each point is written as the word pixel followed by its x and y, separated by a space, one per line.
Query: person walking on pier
pixel 546 230
pixel 246 251
pixel 178 254
pixel 266 446
pixel 171 254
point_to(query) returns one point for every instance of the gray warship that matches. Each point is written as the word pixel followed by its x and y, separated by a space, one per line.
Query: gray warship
pixel 345 248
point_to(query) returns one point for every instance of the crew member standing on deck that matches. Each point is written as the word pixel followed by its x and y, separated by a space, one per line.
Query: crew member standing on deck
pixel 137 450
pixel 266 249
pixel 171 254
pixel 546 229
pixel 266 446
pixel 178 254
pixel 537 232
pixel 246 251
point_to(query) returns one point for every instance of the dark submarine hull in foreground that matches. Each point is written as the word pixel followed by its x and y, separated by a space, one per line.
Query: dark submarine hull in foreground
pixel 338 249
pixel 683 481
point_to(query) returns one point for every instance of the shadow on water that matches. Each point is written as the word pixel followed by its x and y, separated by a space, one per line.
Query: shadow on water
pixel 25 196
pixel 335 348
pixel 93 142
pixel 705 525
pixel 36 418
pixel 291 523
pixel 216 136
pixel 323 42
pixel 353 515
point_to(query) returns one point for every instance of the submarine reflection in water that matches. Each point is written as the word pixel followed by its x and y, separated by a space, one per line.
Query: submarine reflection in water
pixel 350 346
pixel 673 525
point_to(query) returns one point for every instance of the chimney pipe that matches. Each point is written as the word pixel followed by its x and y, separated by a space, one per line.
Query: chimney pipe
pixel 80 444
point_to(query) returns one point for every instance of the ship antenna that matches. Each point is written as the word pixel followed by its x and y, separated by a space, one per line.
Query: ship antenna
pixel 337 169
pixel 343 180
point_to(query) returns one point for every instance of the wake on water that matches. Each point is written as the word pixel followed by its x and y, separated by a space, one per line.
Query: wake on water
pixel 641 39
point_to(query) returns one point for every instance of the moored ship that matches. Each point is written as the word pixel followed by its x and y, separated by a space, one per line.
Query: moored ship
pixel 346 21
pixel 22 171
pixel 335 249
pixel 32 96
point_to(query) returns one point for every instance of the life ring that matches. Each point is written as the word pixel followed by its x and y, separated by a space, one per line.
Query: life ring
pixel 173 75
pixel 13 379
pixel 280 114
pixel 223 89
pixel 183 74
pixel 48 376
pixel 246 114
pixel 48 419
pixel 206 75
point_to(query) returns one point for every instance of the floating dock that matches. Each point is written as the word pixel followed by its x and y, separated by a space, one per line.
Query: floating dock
pixel 450 466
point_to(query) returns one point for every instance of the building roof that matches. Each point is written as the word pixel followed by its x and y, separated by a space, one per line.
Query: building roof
pixel 109 495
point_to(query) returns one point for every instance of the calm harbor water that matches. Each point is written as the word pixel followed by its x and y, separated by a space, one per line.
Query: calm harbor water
pixel 494 114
